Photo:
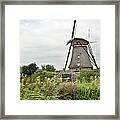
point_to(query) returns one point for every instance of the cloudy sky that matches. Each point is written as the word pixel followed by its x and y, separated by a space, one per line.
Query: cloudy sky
pixel 44 41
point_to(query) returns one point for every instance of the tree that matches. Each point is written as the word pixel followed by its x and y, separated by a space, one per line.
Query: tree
pixel 43 67
pixel 28 70
pixel 48 68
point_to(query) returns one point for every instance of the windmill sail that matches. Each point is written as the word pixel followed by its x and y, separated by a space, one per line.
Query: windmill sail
pixel 70 44
pixel 91 53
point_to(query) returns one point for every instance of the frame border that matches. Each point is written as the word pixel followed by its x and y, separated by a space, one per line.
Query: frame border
pixel 2 60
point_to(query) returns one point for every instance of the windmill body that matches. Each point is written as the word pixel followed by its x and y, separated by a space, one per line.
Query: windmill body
pixel 80 57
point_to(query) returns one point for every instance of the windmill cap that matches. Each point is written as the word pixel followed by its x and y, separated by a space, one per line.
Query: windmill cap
pixel 80 41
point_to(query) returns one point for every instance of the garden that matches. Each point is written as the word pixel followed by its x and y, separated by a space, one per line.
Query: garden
pixel 43 84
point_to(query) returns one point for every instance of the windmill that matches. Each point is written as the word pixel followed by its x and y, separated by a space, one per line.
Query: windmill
pixel 82 55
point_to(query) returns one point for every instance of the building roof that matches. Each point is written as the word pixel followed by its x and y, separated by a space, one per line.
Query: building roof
pixel 79 41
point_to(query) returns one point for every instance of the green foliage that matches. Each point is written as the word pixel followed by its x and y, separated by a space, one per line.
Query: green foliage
pixel 49 90
pixel 43 74
pixel 53 90
pixel 28 70
pixel 88 75
pixel 67 91
pixel 88 91
pixel 40 91
pixel 48 68
pixel 42 85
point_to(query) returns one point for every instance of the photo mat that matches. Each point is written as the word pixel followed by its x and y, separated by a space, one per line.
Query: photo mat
pixel 43 43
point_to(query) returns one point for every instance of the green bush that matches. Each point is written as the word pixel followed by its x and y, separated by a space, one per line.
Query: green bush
pixel 88 91
pixel 67 90
pixel 50 68
pixel 49 90
pixel 39 90
pixel 85 76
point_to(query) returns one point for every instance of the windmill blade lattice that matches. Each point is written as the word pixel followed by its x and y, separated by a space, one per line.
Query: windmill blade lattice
pixel 90 50
pixel 70 44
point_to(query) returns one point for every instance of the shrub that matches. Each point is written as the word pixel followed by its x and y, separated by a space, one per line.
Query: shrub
pixel 50 68
pixel 88 91
pixel 49 90
pixel 39 90
pixel 67 91
pixel 85 76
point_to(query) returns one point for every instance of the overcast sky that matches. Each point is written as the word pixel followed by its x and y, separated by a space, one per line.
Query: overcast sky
pixel 44 41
